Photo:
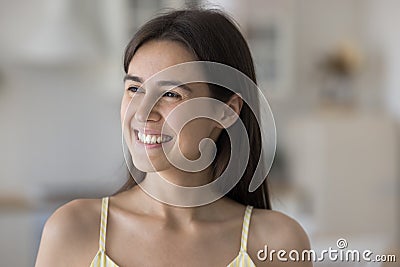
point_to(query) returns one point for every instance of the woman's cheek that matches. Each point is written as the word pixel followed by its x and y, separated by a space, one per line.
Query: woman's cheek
pixel 191 136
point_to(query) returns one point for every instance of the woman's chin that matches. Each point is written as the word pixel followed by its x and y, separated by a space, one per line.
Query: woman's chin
pixel 148 167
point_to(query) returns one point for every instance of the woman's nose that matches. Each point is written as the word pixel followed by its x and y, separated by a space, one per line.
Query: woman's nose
pixel 147 111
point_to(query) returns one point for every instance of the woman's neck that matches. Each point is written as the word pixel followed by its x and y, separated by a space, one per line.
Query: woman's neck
pixel 214 211
pixel 179 196
pixel 178 188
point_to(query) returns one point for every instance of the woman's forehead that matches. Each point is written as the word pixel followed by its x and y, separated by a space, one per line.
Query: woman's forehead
pixel 157 55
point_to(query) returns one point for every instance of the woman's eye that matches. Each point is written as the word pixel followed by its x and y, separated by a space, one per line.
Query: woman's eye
pixel 137 89
pixel 172 94
pixel 133 89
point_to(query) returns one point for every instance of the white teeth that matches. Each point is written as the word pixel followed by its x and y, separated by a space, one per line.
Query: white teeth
pixel 152 139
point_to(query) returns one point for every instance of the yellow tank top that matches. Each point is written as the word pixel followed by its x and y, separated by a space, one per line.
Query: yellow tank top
pixel 102 260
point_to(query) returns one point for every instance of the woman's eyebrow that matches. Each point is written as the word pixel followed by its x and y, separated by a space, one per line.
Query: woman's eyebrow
pixel 175 84
pixel 129 77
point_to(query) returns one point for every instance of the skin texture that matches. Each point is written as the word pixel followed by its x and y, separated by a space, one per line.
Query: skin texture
pixel 142 231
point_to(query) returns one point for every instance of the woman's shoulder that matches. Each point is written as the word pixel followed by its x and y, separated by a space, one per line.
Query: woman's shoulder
pixel 277 231
pixel 79 215
pixel 69 231
pixel 272 221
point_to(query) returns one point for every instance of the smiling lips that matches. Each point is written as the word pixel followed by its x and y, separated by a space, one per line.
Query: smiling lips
pixel 153 138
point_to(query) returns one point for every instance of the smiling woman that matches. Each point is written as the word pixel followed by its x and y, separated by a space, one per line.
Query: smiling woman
pixel 144 230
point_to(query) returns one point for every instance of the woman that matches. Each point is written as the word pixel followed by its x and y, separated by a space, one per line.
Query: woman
pixel 138 229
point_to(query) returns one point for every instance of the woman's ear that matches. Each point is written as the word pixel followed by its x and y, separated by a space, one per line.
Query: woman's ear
pixel 231 110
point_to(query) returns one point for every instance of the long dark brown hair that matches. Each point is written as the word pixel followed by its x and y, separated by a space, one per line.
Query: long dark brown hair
pixel 212 36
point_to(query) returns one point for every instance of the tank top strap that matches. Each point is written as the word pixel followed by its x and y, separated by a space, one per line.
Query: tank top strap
pixel 245 228
pixel 103 223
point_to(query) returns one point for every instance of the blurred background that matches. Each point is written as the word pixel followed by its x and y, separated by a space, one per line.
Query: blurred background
pixel 330 70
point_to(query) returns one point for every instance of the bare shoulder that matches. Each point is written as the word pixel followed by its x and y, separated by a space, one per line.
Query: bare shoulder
pixel 276 231
pixel 275 226
pixel 70 234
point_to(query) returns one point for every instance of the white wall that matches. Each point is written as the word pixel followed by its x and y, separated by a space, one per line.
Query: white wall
pixel 383 24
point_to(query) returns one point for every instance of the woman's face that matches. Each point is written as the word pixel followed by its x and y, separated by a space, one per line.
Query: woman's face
pixel 143 133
